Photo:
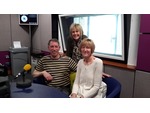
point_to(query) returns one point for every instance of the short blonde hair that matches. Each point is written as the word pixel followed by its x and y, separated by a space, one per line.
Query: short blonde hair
pixel 87 42
pixel 76 26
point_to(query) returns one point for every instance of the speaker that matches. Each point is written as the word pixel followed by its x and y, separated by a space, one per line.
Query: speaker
pixel 28 19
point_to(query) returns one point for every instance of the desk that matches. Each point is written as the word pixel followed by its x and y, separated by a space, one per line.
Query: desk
pixel 36 91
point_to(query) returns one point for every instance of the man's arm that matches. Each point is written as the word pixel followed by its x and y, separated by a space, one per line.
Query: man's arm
pixel 45 74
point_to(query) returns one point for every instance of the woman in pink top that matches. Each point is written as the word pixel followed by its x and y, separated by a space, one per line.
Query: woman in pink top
pixel 88 82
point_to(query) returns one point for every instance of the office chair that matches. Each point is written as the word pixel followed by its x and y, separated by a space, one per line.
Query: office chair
pixel 113 87
pixel 4 82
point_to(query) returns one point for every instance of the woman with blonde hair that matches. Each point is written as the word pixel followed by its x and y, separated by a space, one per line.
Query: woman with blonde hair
pixel 88 82
pixel 75 37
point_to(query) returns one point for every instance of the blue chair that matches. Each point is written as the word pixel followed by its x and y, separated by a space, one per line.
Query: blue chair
pixel 113 87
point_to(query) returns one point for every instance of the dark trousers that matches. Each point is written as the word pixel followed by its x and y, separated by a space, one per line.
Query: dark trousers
pixel 65 89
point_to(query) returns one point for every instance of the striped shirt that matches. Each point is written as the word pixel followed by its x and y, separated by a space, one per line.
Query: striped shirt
pixel 59 69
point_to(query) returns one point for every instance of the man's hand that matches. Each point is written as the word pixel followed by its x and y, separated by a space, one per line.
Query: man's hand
pixel 47 76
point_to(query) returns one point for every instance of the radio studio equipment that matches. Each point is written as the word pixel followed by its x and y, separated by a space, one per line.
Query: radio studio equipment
pixel 4 82
pixel 24 82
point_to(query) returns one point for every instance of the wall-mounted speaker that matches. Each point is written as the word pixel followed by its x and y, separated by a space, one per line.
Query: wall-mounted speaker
pixel 28 19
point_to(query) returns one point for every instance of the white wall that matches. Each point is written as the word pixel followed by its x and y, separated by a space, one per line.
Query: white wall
pixel 42 33
pixel 134 39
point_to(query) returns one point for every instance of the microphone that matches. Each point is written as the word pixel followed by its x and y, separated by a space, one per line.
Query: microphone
pixel 26 68
pixel 25 82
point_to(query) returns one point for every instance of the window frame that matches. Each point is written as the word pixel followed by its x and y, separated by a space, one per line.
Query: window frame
pixel 125 33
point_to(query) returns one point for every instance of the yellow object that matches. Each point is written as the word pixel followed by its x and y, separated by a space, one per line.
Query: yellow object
pixel 27 67
pixel 72 78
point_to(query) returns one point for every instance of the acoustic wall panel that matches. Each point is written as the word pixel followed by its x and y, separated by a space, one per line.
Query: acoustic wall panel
pixel 143 59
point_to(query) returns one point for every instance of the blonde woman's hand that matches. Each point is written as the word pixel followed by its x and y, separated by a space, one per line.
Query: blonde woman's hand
pixel 62 54
pixel 73 95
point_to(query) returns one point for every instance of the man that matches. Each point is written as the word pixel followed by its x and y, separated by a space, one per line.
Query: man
pixel 55 68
